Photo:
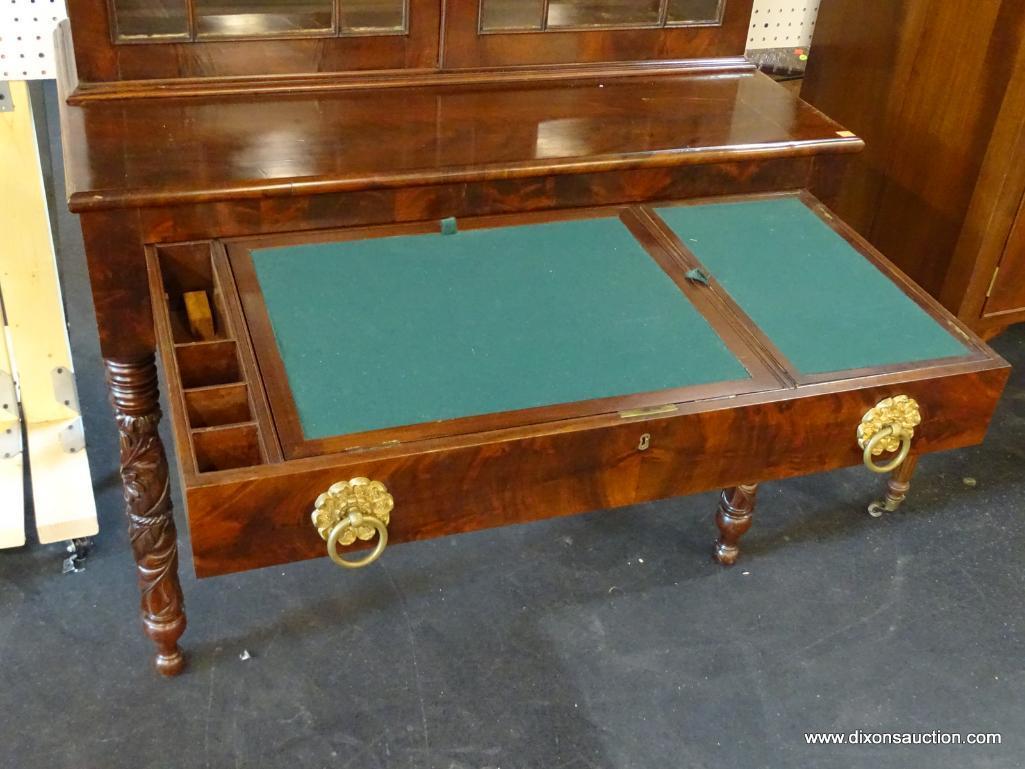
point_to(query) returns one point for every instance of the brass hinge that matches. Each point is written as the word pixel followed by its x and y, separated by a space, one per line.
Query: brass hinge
pixel 992 281
pixel 667 408
pixel 395 442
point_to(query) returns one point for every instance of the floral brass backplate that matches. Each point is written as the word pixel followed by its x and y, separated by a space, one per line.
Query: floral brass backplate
pixel 359 495
pixel 899 413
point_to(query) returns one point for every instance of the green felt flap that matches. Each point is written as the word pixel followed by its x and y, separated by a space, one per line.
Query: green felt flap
pixel 823 304
pixel 405 330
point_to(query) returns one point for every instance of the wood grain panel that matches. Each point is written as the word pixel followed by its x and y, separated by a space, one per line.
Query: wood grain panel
pixel 250 519
pixel 1008 285
pixel 265 146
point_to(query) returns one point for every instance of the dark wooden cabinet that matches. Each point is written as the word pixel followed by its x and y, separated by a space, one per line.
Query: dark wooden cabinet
pixel 153 42
pixel 937 90
pixel 527 300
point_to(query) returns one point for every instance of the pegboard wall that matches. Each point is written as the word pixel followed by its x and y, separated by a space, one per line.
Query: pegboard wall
pixel 26 32
pixel 782 24
pixel 26 38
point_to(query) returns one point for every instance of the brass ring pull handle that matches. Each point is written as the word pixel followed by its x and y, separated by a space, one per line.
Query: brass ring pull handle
pixel 888 426
pixel 870 450
pixel 351 510
pixel 355 521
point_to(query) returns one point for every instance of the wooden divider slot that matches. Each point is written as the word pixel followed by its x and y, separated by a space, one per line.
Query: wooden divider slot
pixel 225 448
pixel 203 364
pixel 224 280
pixel 185 268
pixel 218 406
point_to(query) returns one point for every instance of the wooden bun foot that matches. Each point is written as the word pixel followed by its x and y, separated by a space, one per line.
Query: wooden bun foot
pixel 725 554
pixel 169 660
pixel 734 518
pixel 170 665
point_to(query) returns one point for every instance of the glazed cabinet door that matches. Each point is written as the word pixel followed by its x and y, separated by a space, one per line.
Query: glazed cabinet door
pixel 184 39
pixel 498 33
pixel 171 39
pixel 246 19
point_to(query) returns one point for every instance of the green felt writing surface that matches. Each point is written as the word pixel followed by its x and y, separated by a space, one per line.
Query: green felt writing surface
pixel 405 330
pixel 823 304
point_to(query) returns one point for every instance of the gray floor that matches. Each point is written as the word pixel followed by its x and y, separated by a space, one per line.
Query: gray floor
pixel 605 640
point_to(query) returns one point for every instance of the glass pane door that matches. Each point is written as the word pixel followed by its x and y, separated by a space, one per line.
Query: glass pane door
pixel 153 20
pixel 253 18
pixel 372 16
pixel 135 19
pixel 503 33
pixel 576 14
pixel 693 11
pixel 539 15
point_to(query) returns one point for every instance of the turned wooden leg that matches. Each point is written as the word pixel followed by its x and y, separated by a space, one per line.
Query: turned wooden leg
pixel 734 518
pixel 896 488
pixel 134 393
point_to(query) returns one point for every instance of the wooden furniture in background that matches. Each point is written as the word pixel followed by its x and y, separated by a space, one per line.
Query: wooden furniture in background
pixel 304 129
pixel 937 90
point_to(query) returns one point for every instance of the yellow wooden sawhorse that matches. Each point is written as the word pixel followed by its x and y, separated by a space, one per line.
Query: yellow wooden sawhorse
pixel 35 357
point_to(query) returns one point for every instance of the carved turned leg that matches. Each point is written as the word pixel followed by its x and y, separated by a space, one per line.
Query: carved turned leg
pixel 134 393
pixel 734 518
pixel 896 488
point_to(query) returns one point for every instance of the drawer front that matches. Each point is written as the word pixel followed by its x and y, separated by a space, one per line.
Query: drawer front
pixel 263 518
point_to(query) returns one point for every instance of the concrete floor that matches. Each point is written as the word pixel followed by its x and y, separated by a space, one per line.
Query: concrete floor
pixel 605 640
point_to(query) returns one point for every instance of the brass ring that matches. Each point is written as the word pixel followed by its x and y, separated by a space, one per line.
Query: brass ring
pixel 354 520
pixel 886 432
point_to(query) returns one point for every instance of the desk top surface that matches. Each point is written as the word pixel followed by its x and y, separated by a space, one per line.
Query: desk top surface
pixel 155 151
pixel 411 329
pixel 404 330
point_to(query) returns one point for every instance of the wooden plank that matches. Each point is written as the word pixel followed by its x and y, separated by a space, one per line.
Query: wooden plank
pixel 61 485
pixel 201 318
pixel 12 479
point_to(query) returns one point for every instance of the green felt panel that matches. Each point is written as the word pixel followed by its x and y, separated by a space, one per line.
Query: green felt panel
pixel 823 304
pixel 405 330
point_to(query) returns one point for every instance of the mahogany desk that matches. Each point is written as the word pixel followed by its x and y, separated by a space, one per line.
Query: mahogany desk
pixel 674 346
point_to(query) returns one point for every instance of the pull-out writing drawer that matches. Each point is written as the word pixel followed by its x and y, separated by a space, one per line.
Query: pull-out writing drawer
pixel 507 369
